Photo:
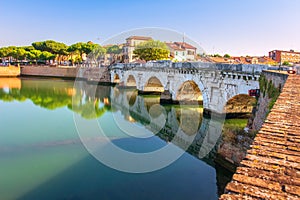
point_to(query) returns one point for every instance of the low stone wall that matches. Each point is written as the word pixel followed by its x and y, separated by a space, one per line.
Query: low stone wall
pixel 262 109
pixel 9 71
pixel 96 75
pixel 47 71
pixel 89 74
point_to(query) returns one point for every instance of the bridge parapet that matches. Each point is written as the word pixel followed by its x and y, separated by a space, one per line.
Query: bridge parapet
pixel 191 66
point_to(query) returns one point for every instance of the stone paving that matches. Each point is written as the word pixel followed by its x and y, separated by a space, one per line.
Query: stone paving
pixel 271 169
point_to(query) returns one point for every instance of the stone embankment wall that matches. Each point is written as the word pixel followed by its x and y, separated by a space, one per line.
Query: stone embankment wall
pixel 271 84
pixel 89 74
pixel 9 71
pixel 101 74
pixel 67 72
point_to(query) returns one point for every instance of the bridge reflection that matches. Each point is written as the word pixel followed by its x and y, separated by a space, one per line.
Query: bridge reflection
pixel 183 125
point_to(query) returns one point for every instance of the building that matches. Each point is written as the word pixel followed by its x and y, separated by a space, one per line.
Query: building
pixel 129 46
pixel 285 56
pixel 182 51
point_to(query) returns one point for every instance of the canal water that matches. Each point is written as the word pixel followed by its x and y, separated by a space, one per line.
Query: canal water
pixel 42 155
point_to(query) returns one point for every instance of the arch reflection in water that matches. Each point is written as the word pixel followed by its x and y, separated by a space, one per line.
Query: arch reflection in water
pixel 184 125
pixel 157 120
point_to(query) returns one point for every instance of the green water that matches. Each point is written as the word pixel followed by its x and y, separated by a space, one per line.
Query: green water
pixel 42 155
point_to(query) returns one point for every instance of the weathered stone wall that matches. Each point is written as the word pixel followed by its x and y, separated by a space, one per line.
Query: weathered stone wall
pixel 101 74
pixel 9 71
pixel 298 69
pixel 90 74
pixel 262 108
pixel 66 72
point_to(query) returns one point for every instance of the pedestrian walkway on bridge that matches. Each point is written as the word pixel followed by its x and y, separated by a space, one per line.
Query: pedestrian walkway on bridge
pixel 271 169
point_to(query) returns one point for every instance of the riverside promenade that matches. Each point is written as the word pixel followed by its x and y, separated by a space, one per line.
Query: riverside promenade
pixel 271 169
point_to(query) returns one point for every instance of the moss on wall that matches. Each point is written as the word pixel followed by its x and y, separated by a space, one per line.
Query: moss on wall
pixel 269 89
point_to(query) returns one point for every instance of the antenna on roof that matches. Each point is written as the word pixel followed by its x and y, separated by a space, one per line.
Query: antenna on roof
pixel 183 37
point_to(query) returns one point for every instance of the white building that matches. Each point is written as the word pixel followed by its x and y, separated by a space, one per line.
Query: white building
pixel 182 51
pixel 130 45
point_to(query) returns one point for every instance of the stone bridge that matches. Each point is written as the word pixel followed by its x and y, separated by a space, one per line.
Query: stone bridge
pixel 212 84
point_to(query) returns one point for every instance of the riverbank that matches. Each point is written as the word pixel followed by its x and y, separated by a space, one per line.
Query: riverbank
pixel 10 71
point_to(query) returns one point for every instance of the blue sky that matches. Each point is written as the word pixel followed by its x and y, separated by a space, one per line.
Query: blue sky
pixel 237 27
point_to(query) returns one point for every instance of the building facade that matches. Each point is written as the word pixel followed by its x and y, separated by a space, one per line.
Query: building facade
pixel 182 51
pixel 285 56
pixel 130 45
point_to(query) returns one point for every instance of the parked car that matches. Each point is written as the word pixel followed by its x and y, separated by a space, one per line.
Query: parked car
pixel 291 70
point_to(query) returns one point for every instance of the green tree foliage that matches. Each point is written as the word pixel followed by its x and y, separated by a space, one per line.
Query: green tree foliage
pixel 96 55
pixel 115 49
pixel 227 56
pixel 19 53
pixel 217 55
pixel 51 46
pixel 286 63
pixel 4 52
pixel 76 48
pixel 152 50
pixel 7 51
pixel 28 48
pixel 45 56
pixel 89 47
pixel 34 55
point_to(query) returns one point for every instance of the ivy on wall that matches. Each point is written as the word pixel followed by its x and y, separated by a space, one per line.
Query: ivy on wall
pixel 268 88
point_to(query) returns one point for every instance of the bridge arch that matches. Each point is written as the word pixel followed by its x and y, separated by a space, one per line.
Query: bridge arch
pixel 153 84
pixel 131 81
pixel 239 104
pixel 189 91
pixel 116 78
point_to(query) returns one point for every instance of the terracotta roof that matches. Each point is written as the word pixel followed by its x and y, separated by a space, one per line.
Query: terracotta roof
pixel 139 38
pixel 185 45
pixel 221 60
pixel 174 47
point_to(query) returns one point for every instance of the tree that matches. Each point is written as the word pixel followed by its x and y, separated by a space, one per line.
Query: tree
pixel 96 55
pixel 28 48
pixel 19 53
pixel 46 56
pixel 114 50
pixel 89 47
pixel 4 52
pixel 227 56
pixel 286 63
pixel 51 46
pixel 217 55
pixel 57 48
pixel 34 55
pixel 8 52
pixel 75 51
pixel 152 50
pixel 78 47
